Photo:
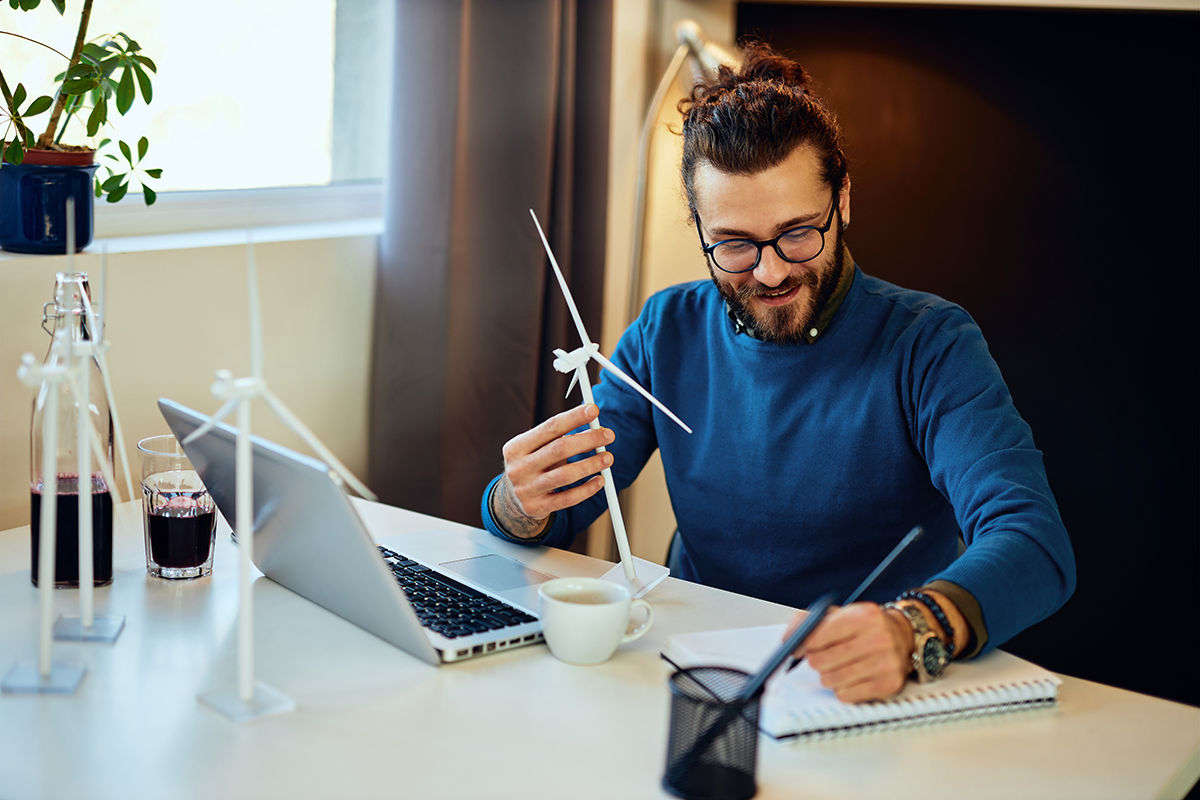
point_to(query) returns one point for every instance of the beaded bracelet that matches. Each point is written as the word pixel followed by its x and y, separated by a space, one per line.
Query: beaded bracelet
pixel 935 609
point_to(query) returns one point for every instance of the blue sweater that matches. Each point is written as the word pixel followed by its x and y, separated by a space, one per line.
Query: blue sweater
pixel 809 462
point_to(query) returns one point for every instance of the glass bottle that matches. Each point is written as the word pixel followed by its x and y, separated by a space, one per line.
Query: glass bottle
pixel 65 319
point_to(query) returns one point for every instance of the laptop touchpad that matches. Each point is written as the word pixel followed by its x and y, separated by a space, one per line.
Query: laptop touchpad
pixel 495 572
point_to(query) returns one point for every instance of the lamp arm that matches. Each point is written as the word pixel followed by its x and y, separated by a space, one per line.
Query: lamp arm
pixel 633 296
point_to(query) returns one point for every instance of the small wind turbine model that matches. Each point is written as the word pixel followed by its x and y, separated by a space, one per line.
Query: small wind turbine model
pixel 254 699
pixel 577 361
pixel 87 626
pixel 47 677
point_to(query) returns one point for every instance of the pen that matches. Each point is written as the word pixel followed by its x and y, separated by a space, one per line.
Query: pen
pixel 754 685
pixel 911 537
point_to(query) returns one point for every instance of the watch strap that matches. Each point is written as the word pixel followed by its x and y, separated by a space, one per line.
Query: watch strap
pixel 923 637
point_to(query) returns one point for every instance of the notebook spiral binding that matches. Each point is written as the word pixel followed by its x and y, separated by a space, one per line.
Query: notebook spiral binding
pixel 906 713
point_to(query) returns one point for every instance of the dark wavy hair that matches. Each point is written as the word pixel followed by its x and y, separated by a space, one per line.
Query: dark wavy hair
pixel 746 121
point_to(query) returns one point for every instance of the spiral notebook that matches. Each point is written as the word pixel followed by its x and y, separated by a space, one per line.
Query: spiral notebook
pixel 796 706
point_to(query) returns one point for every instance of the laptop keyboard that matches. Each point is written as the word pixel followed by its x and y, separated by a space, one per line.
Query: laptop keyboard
pixel 444 605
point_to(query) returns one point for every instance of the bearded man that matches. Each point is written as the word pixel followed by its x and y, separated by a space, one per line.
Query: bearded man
pixel 833 412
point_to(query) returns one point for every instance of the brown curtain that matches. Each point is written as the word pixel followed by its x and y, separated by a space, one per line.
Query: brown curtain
pixel 499 106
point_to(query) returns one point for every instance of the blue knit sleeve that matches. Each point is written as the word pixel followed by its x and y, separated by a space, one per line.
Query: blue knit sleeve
pixel 1019 563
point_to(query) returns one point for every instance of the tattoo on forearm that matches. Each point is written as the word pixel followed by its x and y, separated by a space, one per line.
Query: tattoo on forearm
pixel 514 520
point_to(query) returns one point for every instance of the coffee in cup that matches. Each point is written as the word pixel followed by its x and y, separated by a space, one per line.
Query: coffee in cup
pixel 584 620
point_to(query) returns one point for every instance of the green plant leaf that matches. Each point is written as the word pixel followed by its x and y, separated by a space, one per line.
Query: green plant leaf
pixel 38 106
pixel 83 71
pixel 96 187
pixel 109 65
pixel 149 195
pixel 125 92
pixel 126 151
pixel 14 153
pixel 143 83
pixel 103 142
pixel 143 146
pixel 154 173
pixel 19 95
pixel 97 118
pixel 116 194
pixel 80 85
pixel 112 182
pixel 61 5
pixel 146 62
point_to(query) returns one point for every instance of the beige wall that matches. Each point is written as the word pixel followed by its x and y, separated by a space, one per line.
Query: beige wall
pixel 176 316
pixel 670 253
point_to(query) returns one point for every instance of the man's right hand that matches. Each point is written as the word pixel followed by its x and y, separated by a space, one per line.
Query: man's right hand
pixel 536 465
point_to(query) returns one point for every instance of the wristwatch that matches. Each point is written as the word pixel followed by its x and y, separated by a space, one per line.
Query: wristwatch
pixel 929 657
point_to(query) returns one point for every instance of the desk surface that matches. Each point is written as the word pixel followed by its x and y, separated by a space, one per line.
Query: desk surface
pixel 373 722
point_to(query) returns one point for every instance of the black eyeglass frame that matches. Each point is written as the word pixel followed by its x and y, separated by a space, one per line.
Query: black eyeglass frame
pixel 773 243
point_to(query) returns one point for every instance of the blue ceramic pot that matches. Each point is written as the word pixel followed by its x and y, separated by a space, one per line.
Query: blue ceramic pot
pixel 33 206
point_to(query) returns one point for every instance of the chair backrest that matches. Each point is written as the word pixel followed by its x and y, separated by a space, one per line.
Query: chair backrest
pixel 675 553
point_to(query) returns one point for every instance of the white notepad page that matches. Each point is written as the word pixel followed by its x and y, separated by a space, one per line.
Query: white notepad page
pixel 795 703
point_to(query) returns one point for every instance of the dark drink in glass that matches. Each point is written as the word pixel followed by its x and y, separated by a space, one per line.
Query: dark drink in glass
pixel 180 522
pixel 66 527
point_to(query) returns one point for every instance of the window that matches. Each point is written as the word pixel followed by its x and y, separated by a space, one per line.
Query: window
pixel 248 93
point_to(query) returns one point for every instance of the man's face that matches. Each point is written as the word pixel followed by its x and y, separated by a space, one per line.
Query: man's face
pixel 778 299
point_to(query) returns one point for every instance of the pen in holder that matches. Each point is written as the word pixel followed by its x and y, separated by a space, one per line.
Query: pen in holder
pixel 701 698
pixel 713 744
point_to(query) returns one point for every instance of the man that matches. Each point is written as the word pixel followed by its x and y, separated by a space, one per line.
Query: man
pixel 833 412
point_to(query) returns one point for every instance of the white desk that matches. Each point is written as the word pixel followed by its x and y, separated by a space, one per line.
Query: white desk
pixel 373 722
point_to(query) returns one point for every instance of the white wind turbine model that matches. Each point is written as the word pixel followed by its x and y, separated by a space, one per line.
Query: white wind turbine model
pixel 254 699
pixel 88 627
pixel 577 361
pixel 46 677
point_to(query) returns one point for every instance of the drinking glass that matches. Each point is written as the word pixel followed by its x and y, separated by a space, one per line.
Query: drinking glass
pixel 178 514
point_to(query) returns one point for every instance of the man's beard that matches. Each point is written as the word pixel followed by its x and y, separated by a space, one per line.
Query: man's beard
pixel 786 324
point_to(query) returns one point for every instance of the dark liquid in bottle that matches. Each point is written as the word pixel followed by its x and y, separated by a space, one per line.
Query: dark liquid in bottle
pixel 181 541
pixel 66 525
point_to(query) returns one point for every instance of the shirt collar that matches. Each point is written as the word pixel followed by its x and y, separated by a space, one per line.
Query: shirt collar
pixel 825 317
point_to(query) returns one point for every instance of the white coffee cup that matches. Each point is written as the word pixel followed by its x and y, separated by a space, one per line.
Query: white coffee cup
pixel 585 619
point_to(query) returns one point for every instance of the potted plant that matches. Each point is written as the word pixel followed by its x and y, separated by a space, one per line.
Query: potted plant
pixel 39 171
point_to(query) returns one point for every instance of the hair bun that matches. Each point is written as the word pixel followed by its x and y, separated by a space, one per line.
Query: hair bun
pixel 760 65
pixel 760 62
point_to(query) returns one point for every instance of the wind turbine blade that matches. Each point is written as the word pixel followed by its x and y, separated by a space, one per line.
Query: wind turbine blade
pixel 212 421
pixel 293 422
pixel 95 321
pixel 256 348
pixel 562 282
pixel 615 370
pixel 95 445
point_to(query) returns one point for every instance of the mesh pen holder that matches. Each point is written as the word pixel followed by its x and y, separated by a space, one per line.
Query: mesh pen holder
pixel 712 746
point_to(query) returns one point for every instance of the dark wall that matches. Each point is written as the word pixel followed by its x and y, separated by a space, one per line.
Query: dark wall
pixel 1039 167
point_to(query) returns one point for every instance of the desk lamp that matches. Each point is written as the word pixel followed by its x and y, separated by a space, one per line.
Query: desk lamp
pixel 706 58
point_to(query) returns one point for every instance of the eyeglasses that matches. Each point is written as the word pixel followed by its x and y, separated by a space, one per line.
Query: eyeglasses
pixel 795 245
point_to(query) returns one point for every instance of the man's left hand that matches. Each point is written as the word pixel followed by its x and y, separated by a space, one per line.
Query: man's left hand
pixel 861 652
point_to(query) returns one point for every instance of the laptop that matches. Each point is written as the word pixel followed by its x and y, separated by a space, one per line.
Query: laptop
pixel 445 599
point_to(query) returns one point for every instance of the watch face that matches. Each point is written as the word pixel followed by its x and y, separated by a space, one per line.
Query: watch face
pixel 933 657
